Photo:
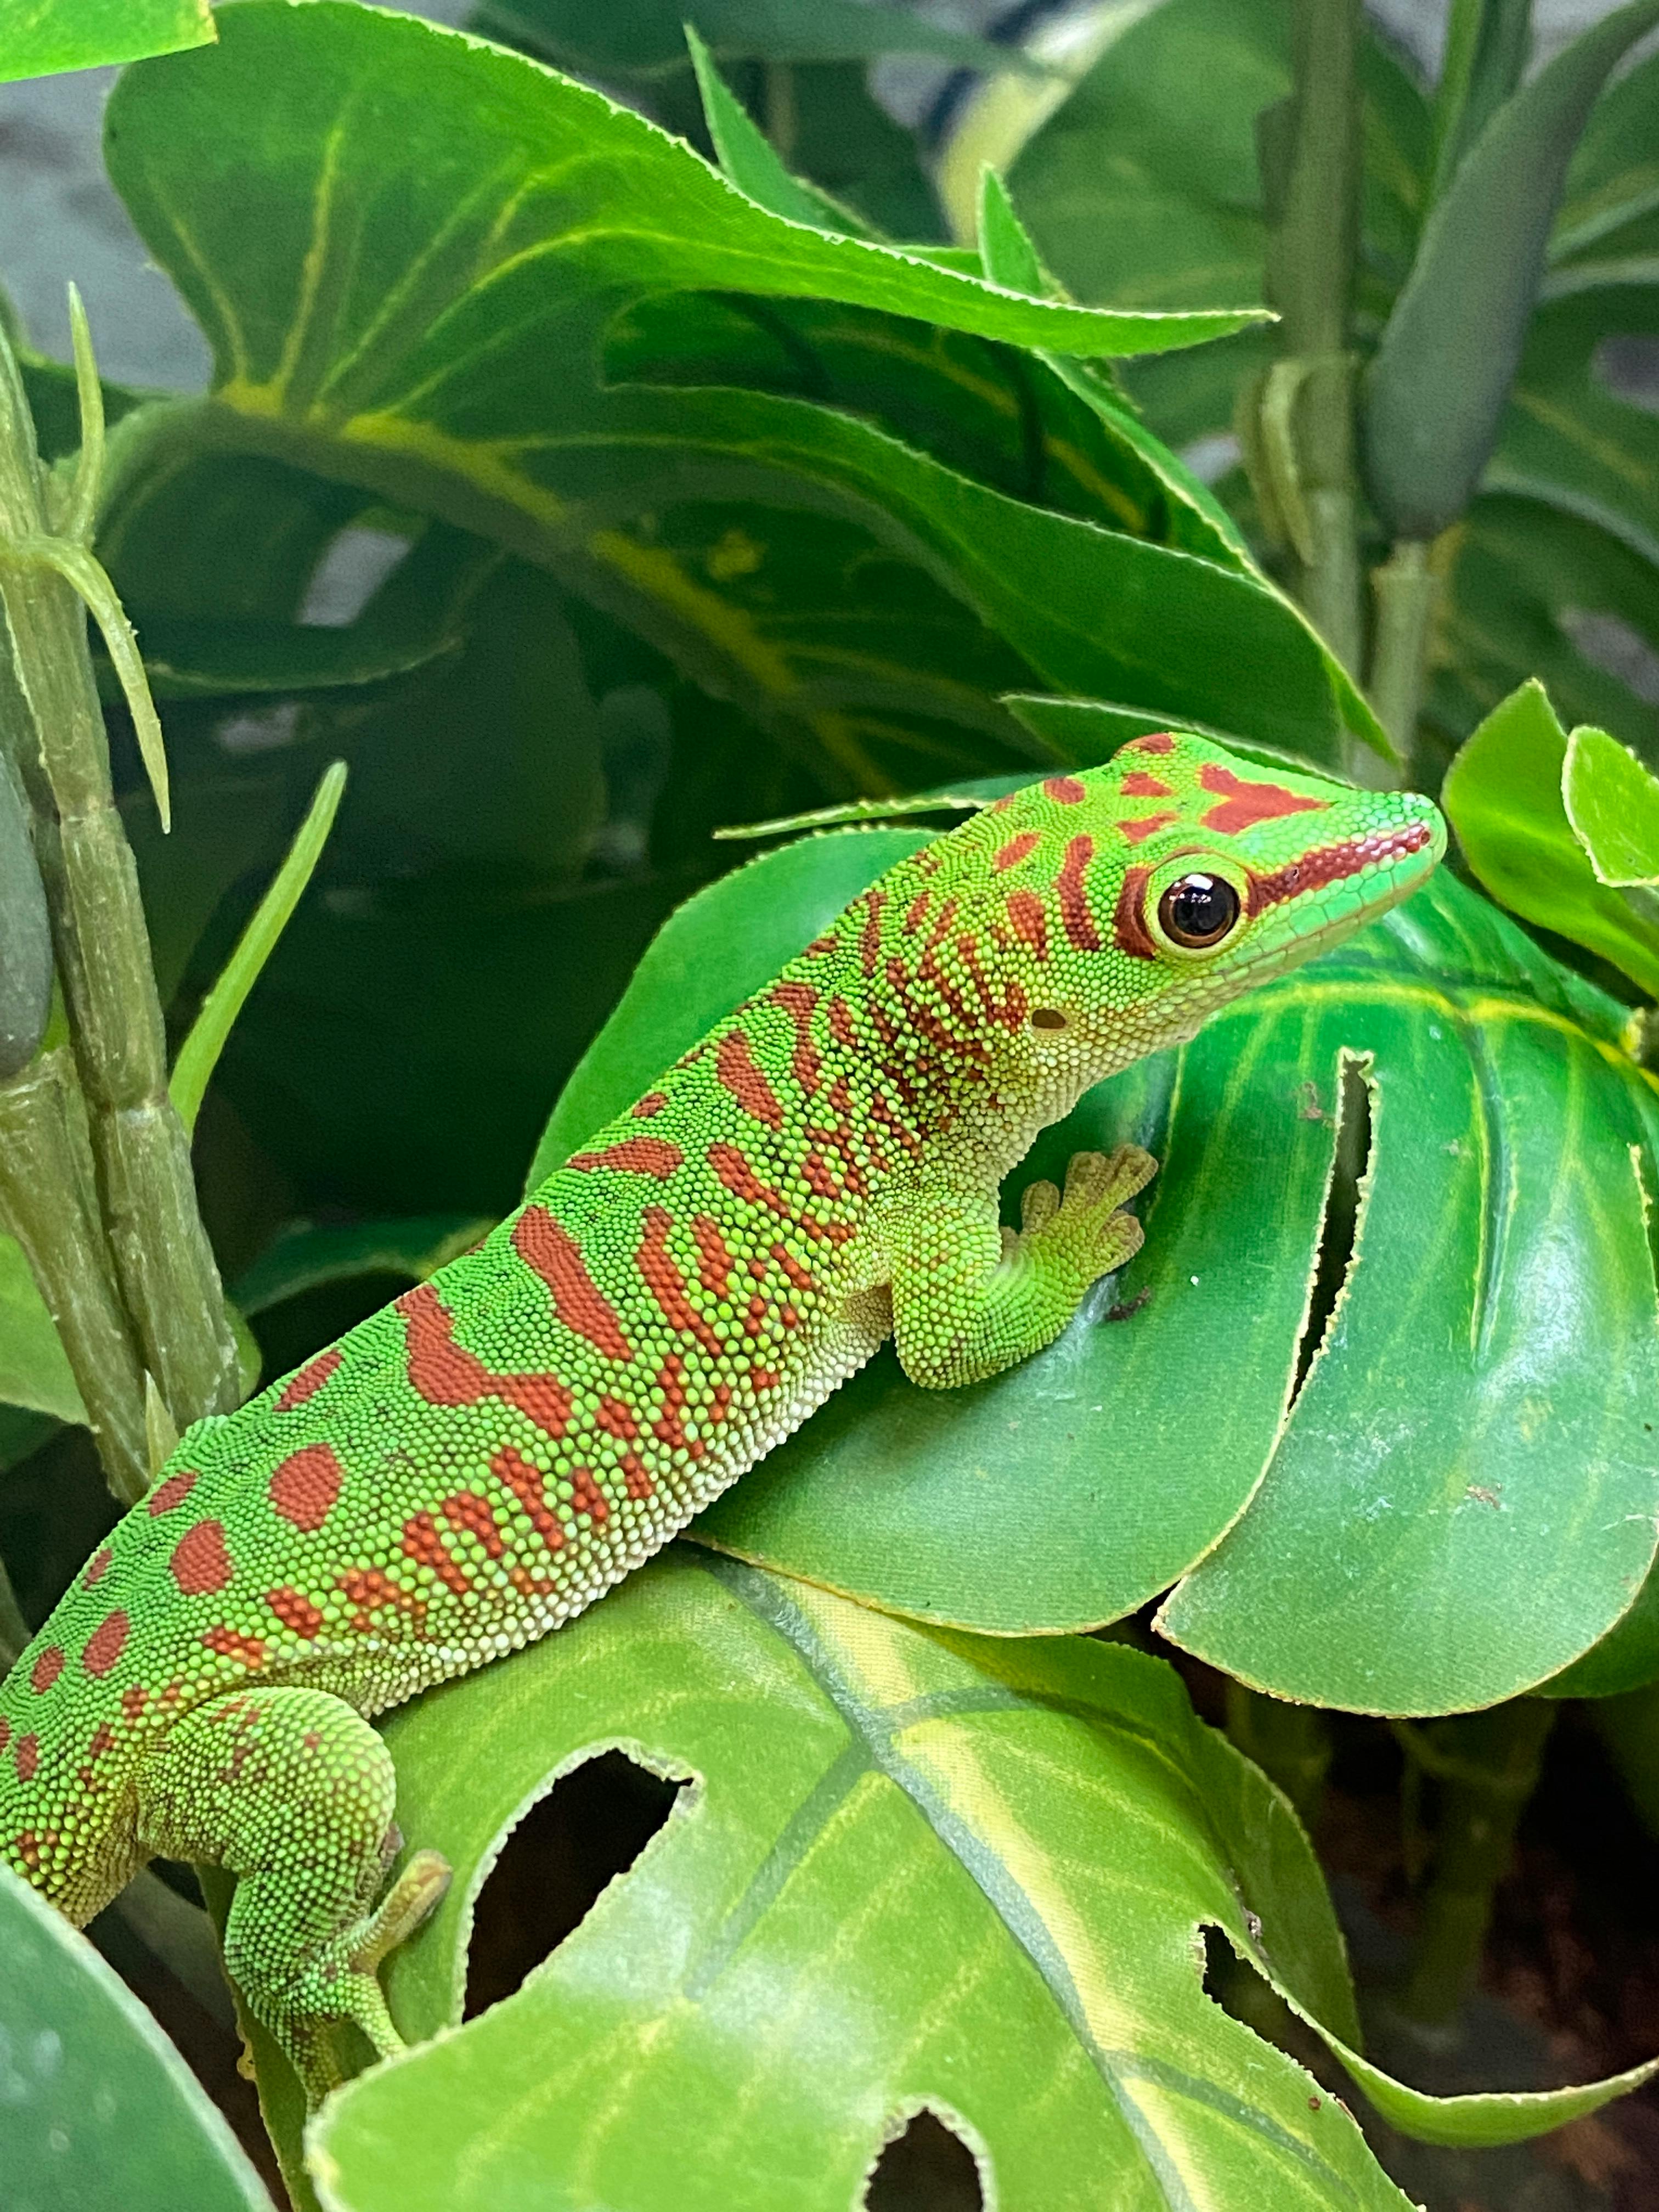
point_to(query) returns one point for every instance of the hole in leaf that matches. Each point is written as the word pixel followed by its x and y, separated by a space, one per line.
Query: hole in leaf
pixel 1339 1231
pixel 591 1826
pixel 354 565
pixel 1244 1995
pixel 928 2168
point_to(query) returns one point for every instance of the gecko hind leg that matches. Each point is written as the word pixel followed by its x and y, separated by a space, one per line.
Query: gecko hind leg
pixel 293 1792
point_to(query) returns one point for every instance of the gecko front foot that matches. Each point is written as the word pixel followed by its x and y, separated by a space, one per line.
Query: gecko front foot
pixel 1085 1233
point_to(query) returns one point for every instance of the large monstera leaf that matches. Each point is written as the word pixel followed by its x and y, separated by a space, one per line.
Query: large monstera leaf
pixel 909 1868
pixel 1373 1511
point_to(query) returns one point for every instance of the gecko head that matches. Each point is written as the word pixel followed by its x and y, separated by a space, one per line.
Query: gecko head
pixel 1148 892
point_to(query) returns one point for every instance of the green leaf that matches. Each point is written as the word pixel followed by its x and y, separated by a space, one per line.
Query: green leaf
pixel 1614 181
pixel 911 1870
pixel 1503 795
pixel 1028 1505
pixel 305 1256
pixel 748 158
pixel 100 2109
pixel 645 38
pixel 1435 390
pixel 1611 803
pixel 34 1371
pixel 198 1055
pixel 40 38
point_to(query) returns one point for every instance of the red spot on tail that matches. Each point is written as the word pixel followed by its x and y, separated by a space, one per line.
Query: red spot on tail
pixel 107 1643
pixel 1140 784
pixel 200 1563
pixel 97 1567
pixel 842 1026
pixel 368 1592
pixel 548 1249
pixel 296 1612
pixel 309 1380
pixel 304 1487
pixel 27 1756
pixel 1244 804
pixel 229 1643
pixel 47 1669
pixel 634 1474
pixel 648 1156
pixel 1138 828
pixel 734 1064
pixel 1074 915
pixel 670 1425
pixel 173 1491
pixel 1010 855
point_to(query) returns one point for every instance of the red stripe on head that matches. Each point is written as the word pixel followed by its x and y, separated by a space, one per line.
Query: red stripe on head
pixel 1129 932
pixel 304 1487
pixel 1078 923
pixel 201 1564
pixel 1029 921
pixel 734 1065
pixel 1244 804
pixel 1330 864
pixel 549 1249
pixel 648 1156
pixel 309 1380
pixel 1138 828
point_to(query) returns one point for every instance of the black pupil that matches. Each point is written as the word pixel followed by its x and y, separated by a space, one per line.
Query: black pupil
pixel 1198 909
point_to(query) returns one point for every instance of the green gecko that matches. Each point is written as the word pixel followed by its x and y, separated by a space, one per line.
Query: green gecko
pixel 473 1465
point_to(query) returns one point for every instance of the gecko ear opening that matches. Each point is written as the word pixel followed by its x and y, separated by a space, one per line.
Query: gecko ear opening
pixel 569 1846
pixel 1048 1017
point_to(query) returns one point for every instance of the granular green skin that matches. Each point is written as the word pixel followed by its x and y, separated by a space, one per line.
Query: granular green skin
pixel 480 1460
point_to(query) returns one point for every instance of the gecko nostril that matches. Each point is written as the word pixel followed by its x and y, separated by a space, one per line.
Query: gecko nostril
pixel 1048 1017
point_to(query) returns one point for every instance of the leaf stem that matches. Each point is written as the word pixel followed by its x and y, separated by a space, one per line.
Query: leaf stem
pixel 1292 1745
pixel 1407 588
pixel 1487 1767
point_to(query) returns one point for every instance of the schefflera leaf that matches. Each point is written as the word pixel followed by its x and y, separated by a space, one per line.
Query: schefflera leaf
pixel 911 1868
pixel 1415 1545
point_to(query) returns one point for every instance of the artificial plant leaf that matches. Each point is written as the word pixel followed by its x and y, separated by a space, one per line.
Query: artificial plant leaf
pixel 33 1371
pixel 308 1255
pixel 912 1869
pixel 1611 803
pixel 40 38
pixel 1503 795
pixel 646 37
pixel 1625 1659
pixel 446 408
pixel 99 2108
pixel 1614 180
pixel 747 157
pixel 1437 388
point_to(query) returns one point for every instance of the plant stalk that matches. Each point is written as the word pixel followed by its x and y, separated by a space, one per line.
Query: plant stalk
pixel 164 1264
pixel 1487 1767
pixel 1407 588
pixel 1292 1745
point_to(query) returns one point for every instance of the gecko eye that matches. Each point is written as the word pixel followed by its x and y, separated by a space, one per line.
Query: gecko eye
pixel 1199 911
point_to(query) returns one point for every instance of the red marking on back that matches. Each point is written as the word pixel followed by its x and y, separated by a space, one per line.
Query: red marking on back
pixel 46 1670
pixel 304 1487
pixel 469 1514
pixel 107 1643
pixel 615 1419
pixel 1160 741
pixel 762 1378
pixel 1138 784
pixel 1010 855
pixel 1329 864
pixel 1138 828
pixel 1079 923
pixel 915 913
pixel 309 1380
pixel 799 1001
pixel 27 1756
pixel 526 1483
pixel 842 1026
pixel 870 936
pixel 101 1739
pixel 173 1491
pixel 5 1732
pixel 639 1483
pixel 423 1543
pixel 1244 804
pixel 1064 790
pixel 734 1064
pixel 200 1563
pixel 648 1156
pixel 652 1103
pixel 821 944
pixel 1029 921
pixel 296 1612
pixel 547 1247
pixel 97 1567
pixel 667 1285
pixel 715 1262
pixel 134 1698
pixel 1129 931
pixel 445 1373
pixel 735 1172
pixel 587 1496
pixel 229 1643
pixel 669 1425
pixel 367 1591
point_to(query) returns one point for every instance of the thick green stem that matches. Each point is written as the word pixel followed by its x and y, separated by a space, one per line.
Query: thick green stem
pixel 47 1202
pixel 1629 1727
pixel 1407 588
pixel 1488 1765
pixel 1292 1745
pixel 1311 154
pixel 55 733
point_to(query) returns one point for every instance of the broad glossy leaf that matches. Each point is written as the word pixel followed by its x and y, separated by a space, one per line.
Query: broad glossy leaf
pixel 645 37
pixel 34 1371
pixel 446 410
pixel 1502 796
pixel 38 38
pixel 1611 802
pixel 308 1255
pixel 1614 181
pixel 96 2107
pixel 748 158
